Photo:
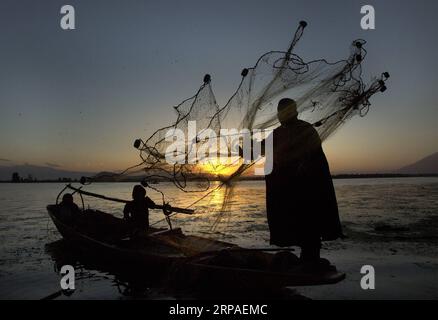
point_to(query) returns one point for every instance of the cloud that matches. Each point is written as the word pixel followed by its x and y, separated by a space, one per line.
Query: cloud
pixel 53 165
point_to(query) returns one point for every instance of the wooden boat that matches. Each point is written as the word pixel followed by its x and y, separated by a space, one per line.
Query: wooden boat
pixel 196 258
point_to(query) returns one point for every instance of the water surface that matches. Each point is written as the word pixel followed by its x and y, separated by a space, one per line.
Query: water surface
pixel 379 214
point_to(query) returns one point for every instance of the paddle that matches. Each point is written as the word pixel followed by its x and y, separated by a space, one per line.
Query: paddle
pixel 167 208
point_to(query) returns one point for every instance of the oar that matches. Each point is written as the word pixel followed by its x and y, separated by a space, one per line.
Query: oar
pixel 167 208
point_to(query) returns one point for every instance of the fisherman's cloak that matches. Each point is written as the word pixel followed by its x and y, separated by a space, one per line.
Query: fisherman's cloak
pixel 300 197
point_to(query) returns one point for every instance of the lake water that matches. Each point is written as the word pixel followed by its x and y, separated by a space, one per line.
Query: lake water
pixel 397 212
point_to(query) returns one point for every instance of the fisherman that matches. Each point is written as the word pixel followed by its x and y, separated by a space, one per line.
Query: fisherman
pixel 69 212
pixel 136 212
pixel 300 197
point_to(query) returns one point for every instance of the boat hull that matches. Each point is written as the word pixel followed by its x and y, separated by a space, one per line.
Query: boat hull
pixel 194 260
pixel 113 253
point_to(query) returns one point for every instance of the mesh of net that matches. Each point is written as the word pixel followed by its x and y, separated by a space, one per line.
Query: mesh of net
pixel 327 95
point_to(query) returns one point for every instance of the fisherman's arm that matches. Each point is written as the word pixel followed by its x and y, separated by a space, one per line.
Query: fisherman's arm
pixel 167 208
pixel 126 211
pixel 150 203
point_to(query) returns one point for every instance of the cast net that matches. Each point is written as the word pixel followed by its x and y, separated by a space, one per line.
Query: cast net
pixel 327 95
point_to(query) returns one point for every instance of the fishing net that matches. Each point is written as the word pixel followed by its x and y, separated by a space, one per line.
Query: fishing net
pixel 327 95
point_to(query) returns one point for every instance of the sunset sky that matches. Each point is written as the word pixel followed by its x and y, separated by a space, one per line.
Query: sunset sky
pixel 78 99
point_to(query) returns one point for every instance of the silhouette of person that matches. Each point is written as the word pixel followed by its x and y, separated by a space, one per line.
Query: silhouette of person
pixel 300 197
pixel 136 212
pixel 69 211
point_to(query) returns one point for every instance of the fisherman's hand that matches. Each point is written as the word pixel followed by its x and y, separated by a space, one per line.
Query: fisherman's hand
pixel 167 209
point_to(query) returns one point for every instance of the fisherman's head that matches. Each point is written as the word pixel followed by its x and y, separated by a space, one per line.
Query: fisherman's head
pixel 287 110
pixel 138 193
pixel 67 198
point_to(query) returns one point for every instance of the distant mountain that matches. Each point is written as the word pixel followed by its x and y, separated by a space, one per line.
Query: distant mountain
pixel 426 165
pixel 39 172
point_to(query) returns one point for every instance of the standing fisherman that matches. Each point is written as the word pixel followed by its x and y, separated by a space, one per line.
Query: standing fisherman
pixel 300 197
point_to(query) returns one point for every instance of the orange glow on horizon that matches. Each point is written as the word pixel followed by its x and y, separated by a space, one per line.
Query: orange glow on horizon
pixel 215 167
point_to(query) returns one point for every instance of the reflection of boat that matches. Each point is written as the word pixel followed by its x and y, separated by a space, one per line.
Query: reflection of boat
pixel 187 257
pixel 128 280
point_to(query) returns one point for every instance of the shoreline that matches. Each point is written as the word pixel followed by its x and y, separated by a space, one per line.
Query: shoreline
pixel 336 176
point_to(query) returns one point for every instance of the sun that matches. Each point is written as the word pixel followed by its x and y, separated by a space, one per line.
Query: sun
pixel 215 167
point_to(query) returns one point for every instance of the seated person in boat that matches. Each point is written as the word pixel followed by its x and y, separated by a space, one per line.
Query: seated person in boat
pixel 300 197
pixel 136 212
pixel 69 212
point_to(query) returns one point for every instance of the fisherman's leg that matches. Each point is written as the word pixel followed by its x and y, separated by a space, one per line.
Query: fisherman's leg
pixel 311 260
pixel 310 250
